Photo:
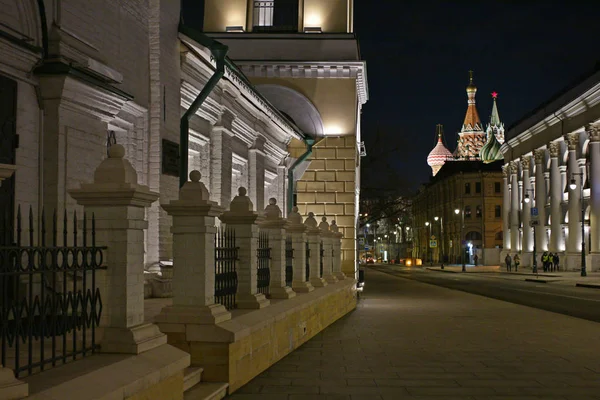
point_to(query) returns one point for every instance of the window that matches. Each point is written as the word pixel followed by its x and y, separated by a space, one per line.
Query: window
pixel 497 187
pixel 467 188
pixel 473 236
pixel 478 212
pixel 477 187
pixel 498 211
pixel 263 12
pixel 467 211
pixel 499 236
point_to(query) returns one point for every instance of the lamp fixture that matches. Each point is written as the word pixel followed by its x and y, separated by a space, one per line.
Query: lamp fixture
pixel 527 198
pixel 234 29
pixel 427 223
pixel 436 218
pixel 456 211
pixel 313 29
pixel 573 185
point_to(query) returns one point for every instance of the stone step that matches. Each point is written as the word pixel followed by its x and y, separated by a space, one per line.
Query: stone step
pixel 207 391
pixel 191 377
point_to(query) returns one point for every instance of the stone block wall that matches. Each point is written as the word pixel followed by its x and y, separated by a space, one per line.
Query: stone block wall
pixel 329 188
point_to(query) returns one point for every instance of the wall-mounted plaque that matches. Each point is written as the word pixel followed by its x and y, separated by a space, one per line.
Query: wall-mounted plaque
pixel 170 158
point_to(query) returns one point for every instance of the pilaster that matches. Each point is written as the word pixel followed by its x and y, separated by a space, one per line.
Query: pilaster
pixel 593 132
pixel 556 237
pixel 505 210
pixel 337 251
pixel 527 230
pixel 514 206
pixel 574 238
pixel 314 245
pixel 297 230
pixel 326 238
pixel 540 200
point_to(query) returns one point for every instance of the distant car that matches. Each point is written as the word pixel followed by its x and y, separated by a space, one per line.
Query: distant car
pixel 370 260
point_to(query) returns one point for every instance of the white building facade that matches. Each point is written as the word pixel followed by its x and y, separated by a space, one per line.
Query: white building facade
pixel 548 156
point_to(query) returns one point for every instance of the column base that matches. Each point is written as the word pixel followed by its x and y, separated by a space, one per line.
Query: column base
pixel 134 340
pixel 203 315
pixel 302 287
pixel 571 262
pixel 252 301
pixel 318 282
pixel 593 262
pixel 330 278
pixel 285 292
pixel 10 387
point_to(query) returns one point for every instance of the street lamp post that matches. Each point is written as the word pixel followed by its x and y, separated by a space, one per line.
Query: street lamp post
pixel 534 240
pixel 429 255
pixel 462 226
pixel 573 186
pixel 441 219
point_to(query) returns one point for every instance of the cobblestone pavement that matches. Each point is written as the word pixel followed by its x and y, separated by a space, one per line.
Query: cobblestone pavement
pixel 409 340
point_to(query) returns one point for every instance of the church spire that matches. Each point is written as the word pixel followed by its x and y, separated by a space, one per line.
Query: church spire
pixel 471 136
pixel 495 118
pixel 472 121
pixel 495 127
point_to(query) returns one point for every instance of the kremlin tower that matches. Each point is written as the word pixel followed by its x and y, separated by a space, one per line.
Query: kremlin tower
pixel 490 151
pixel 471 137
pixel 440 154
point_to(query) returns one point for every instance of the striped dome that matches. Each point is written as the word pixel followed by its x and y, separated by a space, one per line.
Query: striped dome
pixel 439 154
pixel 490 151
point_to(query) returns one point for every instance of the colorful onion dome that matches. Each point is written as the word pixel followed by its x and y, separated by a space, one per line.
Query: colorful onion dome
pixel 440 154
pixel 490 151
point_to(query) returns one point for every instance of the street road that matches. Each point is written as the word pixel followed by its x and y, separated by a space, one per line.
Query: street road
pixel 569 300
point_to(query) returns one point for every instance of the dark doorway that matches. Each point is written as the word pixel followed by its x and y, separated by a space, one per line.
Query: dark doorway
pixel 8 145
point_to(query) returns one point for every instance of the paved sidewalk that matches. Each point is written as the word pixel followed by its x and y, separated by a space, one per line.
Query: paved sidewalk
pixel 409 340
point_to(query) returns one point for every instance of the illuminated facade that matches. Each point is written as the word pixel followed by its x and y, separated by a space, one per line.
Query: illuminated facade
pixel 303 57
pixel 553 148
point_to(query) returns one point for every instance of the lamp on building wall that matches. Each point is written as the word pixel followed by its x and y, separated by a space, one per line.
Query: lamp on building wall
pixel 462 226
pixel 313 29
pixel 573 186
pixel 235 29
pixel 533 223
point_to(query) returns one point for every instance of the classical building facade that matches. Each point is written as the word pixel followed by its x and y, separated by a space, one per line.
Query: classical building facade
pixel 302 55
pixel 474 189
pixel 552 166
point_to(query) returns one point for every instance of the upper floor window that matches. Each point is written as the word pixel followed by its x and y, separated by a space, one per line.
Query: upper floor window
pixel 263 12
pixel 478 212
pixel 477 187
pixel 498 211
pixel 497 187
pixel 467 211
pixel 467 188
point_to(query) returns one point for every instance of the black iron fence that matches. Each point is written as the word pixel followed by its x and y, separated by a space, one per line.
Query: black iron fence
pixel 226 256
pixel 321 256
pixel 289 261
pixel 307 262
pixel 49 303
pixel 263 254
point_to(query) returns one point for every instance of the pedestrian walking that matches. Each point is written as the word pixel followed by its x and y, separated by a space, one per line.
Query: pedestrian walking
pixel 551 262
pixel 545 261
pixel 508 262
pixel 475 258
pixel 555 260
pixel 517 260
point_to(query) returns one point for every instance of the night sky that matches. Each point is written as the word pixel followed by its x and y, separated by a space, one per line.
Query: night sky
pixel 418 56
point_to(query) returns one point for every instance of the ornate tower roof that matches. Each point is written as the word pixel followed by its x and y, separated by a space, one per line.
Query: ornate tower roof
pixel 440 154
pixel 471 136
pixel 495 124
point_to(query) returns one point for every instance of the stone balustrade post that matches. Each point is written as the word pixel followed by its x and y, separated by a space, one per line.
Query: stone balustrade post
pixel 193 258
pixel 327 239
pixel 243 221
pixel 297 230
pixel 314 245
pixel 10 387
pixel 118 203
pixel 337 251
pixel 275 225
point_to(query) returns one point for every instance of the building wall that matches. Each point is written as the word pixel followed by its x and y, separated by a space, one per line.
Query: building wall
pixel 330 15
pixel 336 100
pixel 219 14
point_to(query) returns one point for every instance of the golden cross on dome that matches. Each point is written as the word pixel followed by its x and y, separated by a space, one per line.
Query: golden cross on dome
pixel 471 76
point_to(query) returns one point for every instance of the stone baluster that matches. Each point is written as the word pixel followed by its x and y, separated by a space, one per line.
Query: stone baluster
pixel 337 251
pixel 297 230
pixel 275 225
pixel 118 204
pixel 314 245
pixel 243 220
pixel 193 259
pixel 10 387
pixel 556 188
pixel 327 238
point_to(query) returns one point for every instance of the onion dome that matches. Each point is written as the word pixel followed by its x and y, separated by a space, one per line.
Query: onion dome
pixel 440 154
pixel 490 151
pixel 471 88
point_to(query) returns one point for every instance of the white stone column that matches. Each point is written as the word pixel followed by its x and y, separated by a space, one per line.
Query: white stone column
pixel 527 229
pixel 593 132
pixel 274 225
pixel 556 188
pixel 220 165
pixel 327 238
pixel 281 192
pixel 193 258
pixel 242 219
pixel 514 206
pixel 540 200
pixel 118 204
pixel 574 239
pixel 337 251
pixel 297 230
pixel 505 214
pixel 314 246
pixel 256 173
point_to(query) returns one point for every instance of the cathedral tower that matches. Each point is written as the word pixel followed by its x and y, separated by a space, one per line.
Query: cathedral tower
pixel 471 137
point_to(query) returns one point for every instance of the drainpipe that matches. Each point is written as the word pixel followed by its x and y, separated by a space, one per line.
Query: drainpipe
pixel 309 145
pixel 219 52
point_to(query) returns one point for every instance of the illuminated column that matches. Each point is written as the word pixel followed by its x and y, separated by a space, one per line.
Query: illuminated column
pixel 556 237
pixel 514 206
pixel 540 200
pixel 574 239
pixel 594 149
pixel 527 231
pixel 506 209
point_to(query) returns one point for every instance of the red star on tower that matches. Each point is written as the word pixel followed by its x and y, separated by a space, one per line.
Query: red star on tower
pixel 495 95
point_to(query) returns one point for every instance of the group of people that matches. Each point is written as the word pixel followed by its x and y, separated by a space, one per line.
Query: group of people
pixel 550 262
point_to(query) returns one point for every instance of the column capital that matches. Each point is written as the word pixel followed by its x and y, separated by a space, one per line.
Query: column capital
pixel 525 163
pixel 554 149
pixel 539 155
pixel 593 132
pixel 505 171
pixel 572 140
pixel 514 167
